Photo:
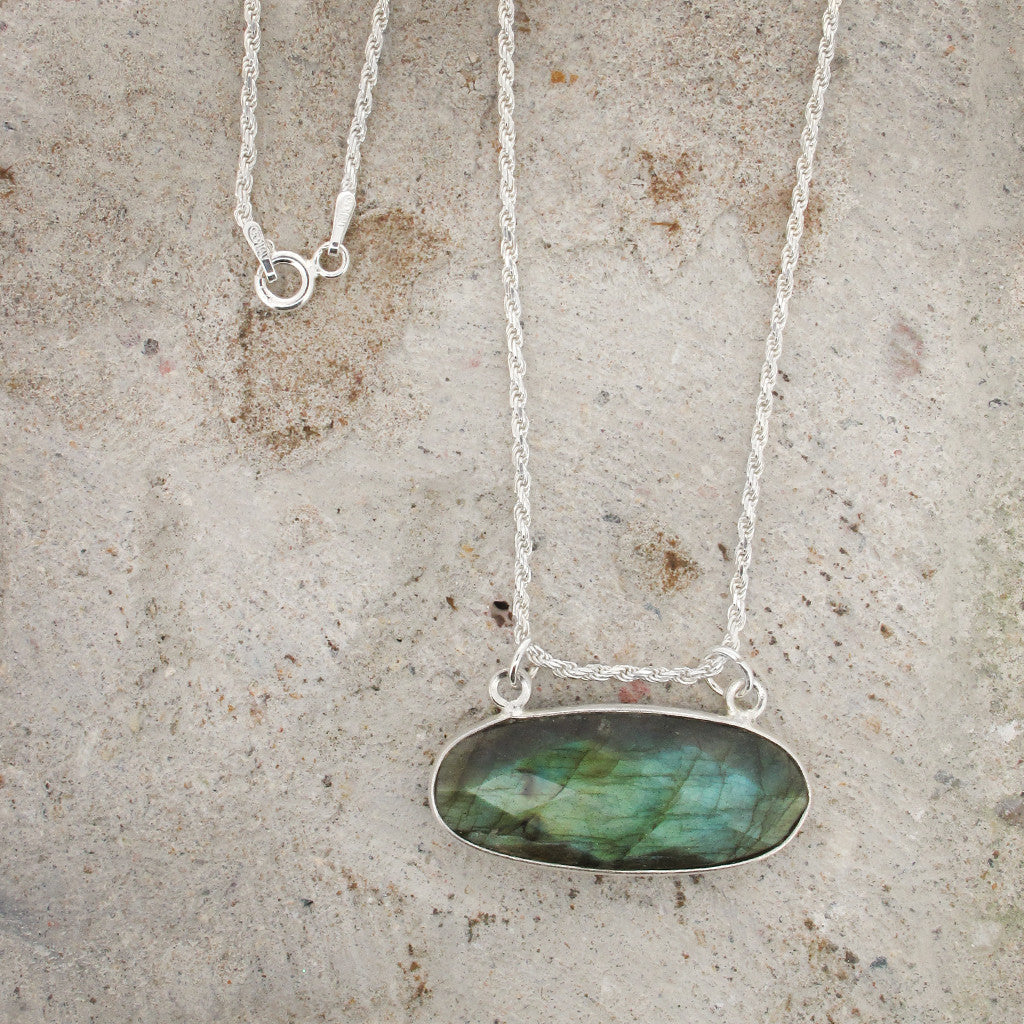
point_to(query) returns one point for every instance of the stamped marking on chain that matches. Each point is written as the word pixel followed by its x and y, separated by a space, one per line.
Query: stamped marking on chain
pixel 263 250
pixel 345 203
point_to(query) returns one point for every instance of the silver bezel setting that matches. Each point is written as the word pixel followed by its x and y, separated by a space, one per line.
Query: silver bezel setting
pixel 737 721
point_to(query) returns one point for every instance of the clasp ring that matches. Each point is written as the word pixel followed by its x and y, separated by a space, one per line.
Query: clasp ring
pixel 308 274
pixel 327 249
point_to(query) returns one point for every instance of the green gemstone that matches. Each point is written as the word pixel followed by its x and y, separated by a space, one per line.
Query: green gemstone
pixel 621 790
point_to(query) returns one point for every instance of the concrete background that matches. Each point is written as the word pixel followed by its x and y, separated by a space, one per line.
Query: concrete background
pixel 250 560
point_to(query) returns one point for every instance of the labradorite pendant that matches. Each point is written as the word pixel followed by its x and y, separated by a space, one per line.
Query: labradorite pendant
pixel 621 789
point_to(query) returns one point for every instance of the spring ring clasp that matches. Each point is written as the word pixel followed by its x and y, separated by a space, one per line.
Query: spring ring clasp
pixel 308 271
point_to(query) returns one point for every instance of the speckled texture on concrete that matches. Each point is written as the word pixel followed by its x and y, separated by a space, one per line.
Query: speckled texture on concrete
pixel 249 562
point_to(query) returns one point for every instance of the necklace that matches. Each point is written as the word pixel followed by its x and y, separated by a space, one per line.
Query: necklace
pixel 270 259
pixel 638 788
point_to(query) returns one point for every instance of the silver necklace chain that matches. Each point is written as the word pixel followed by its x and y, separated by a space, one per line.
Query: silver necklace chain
pixel 713 662
pixel 344 205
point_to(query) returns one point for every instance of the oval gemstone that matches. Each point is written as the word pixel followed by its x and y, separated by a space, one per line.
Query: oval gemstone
pixel 621 790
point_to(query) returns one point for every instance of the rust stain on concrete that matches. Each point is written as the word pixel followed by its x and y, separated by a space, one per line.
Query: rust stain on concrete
pixel 906 351
pixel 295 377
pixel 670 566
pixel 669 178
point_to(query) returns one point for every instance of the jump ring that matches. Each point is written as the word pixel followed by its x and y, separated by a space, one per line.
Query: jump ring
pixel 516 705
pixel 517 659
pixel 518 678
pixel 326 249
pixel 740 688
pixel 733 656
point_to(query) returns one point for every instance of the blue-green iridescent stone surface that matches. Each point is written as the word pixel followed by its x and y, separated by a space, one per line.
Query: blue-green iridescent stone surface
pixel 628 790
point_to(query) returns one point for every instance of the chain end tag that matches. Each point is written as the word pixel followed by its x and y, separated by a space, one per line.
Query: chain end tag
pixel 344 208
pixel 262 250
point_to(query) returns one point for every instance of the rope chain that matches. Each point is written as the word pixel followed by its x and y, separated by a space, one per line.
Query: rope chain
pixel 712 663
pixel 356 136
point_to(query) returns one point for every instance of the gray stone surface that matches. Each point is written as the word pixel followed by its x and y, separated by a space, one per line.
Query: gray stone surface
pixel 248 562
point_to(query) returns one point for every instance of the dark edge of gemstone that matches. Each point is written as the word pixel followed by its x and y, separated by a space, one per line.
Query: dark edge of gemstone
pixel 734 722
